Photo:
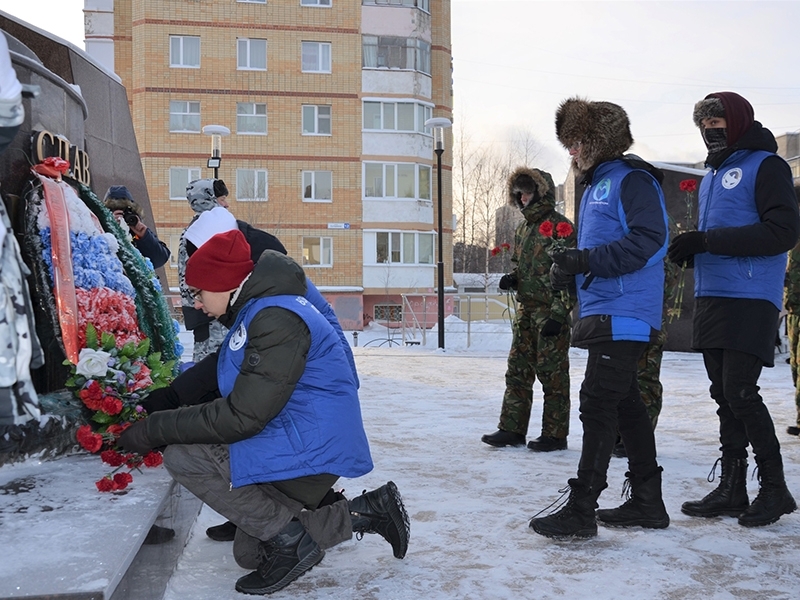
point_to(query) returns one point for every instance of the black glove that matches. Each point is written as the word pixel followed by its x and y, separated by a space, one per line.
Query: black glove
pixel 161 399
pixel 686 245
pixel 508 282
pixel 572 261
pixel 560 280
pixel 551 328
pixel 134 439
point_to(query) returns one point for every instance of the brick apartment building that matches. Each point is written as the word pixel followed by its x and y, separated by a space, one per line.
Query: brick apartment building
pixel 325 101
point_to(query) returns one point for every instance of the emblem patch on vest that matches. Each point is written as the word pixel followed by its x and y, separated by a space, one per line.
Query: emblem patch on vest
pixel 601 192
pixel 238 338
pixel 731 178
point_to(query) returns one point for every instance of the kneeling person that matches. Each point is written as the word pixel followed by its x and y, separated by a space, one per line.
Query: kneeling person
pixel 286 425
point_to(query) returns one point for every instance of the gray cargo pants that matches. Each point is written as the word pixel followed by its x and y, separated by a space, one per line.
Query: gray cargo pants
pixel 259 511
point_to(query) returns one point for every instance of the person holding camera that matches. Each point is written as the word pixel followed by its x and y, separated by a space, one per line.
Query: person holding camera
pixel 540 344
pixel 129 215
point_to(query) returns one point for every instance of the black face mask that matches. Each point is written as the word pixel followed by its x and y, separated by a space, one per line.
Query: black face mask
pixel 716 139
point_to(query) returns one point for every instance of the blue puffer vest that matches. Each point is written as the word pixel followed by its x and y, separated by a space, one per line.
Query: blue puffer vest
pixel 727 199
pixel 320 428
pixel 636 297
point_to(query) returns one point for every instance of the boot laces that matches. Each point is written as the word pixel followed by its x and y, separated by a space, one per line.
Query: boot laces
pixel 558 503
pixel 713 474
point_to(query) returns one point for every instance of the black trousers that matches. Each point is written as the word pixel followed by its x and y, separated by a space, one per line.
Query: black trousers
pixel 610 402
pixel 743 416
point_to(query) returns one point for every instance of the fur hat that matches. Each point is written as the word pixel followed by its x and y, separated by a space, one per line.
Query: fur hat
pixel 221 264
pixel 528 181
pixel 208 224
pixel 220 189
pixel 706 109
pixel 735 109
pixel 118 197
pixel 602 128
pixel 200 194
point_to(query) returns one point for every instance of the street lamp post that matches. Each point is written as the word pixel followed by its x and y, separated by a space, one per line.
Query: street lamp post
pixel 217 132
pixel 439 124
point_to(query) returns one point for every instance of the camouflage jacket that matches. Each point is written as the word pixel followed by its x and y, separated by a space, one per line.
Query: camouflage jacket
pixel 791 282
pixel 532 261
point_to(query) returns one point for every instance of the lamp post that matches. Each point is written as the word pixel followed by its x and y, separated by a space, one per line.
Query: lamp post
pixel 217 132
pixel 439 124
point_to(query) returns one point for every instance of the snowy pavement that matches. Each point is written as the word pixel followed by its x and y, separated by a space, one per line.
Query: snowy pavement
pixel 425 411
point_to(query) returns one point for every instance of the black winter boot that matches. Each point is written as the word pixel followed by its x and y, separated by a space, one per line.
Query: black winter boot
pixel 774 499
pixel 730 496
pixel 501 439
pixel 282 559
pixel 545 443
pixel 644 507
pixel 382 511
pixel 222 533
pixel 575 519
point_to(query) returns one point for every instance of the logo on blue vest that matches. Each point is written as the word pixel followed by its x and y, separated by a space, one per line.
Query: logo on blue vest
pixel 238 338
pixel 602 191
pixel 731 178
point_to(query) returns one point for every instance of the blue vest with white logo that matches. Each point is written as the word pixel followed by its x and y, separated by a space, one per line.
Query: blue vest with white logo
pixel 634 300
pixel 320 429
pixel 727 199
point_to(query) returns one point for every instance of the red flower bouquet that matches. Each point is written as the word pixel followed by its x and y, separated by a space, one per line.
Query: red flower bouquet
pixel 111 381
pixel 558 233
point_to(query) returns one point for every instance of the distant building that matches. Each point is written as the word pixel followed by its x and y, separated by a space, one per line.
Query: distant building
pixel 326 102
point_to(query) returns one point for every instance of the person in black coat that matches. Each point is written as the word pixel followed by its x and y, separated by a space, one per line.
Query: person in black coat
pixel 120 202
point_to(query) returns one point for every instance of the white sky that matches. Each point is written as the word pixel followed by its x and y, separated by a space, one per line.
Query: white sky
pixel 516 60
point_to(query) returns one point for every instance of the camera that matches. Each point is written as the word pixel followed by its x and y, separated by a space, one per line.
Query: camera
pixel 131 218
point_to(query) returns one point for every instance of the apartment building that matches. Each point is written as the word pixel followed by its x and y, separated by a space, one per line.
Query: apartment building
pixel 325 101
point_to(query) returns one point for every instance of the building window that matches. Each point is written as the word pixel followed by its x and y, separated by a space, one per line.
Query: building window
pixel 401 247
pixel 316 57
pixel 317 252
pixel 387 52
pixel 251 118
pixel 317 186
pixel 251 185
pixel 392 313
pixel 251 54
pixel 397 180
pixel 421 4
pixel 315 2
pixel 396 116
pixel 184 117
pixel 316 119
pixel 179 178
pixel 253 1
pixel 184 51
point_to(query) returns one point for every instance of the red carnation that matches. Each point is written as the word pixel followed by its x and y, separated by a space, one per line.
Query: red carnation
pixel 116 429
pixel 111 405
pixel 92 395
pixel 563 230
pixel 153 459
pixel 106 484
pixel 112 457
pixel 546 229
pixel 505 246
pixel 88 439
pixel 121 480
pixel 688 185
pixel 495 251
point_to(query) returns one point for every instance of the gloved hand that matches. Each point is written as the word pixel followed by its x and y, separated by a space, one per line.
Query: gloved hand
pixel 161 399
pixel 686 245
pixel 560 280
pixel 551 328
pixel 134 438
pixel 508 282
pixel 572 261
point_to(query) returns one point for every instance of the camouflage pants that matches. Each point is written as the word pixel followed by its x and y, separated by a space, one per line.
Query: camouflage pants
pixel 532 356
pixel 650 378
pixel 793 331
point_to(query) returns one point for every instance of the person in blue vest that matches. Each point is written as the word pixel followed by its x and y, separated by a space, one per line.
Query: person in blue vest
pixel 285 426
pixel 618 272
pixel 747 222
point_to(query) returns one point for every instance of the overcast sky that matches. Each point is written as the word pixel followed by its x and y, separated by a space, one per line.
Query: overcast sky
pixel 516 60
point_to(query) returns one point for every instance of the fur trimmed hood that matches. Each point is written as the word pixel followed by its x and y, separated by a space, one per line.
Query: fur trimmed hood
pixel 602 128
pixel 119 198
pixel 534 181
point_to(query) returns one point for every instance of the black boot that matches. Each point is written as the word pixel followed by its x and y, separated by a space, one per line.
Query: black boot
pixel 381 511
pixel 222 533
pixel 545 443
pixel 575 519
pixel 282 559
pixel 501 439
pixel 644 507
pixel 730 496
pixel 773 500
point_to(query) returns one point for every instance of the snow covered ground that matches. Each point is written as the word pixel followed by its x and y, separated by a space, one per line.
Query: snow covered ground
pixel 425 411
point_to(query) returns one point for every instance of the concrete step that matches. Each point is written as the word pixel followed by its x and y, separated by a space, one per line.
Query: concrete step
pixel 62 539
